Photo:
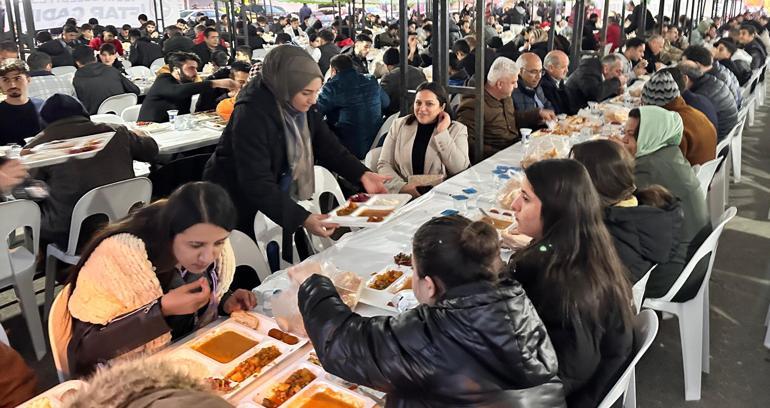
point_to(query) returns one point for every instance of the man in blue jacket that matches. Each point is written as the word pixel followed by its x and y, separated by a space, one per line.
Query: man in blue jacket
pixel 353 105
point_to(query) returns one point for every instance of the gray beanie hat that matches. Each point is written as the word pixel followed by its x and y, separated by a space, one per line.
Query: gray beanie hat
pixel 660 90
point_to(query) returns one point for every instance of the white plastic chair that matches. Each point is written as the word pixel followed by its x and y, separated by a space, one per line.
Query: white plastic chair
pixel 108 118
pixel 113 200
pixel 156 65
pixel 767 334
pixel 4 336
pixel 705 174
pixel 117 104
pixel 131 114
pixel 59 361
pixel 383 130
pixel 17 265
pixel 193 102
pixel 645 330
pixel 139 71
pixel 736 144
pixel 247 253
pixel 126 64
pixel 325 182
pixel 639 287
pixel 67 69
pixel 720 186
pixel 693 315
pixel 266 231
pixel 372 158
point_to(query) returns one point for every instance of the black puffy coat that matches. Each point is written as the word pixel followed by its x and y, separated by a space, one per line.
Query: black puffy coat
pixel 479 346
pixel 61 55
pixel 718 93
pixel 739 68
pixel 644 235
pixel 729 79
pixel 144 53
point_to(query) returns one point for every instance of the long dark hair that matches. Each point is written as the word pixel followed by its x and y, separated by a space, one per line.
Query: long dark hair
pixel 612 171
pixel 437 90
pixel 158 223
pixel 582 275
pixel 454 251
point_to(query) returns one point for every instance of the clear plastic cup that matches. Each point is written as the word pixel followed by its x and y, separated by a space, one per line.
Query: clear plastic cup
pixel 525 132
pixel 460 202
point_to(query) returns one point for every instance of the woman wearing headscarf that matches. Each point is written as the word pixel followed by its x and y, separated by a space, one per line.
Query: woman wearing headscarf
pixel 267 151
pixel 652 136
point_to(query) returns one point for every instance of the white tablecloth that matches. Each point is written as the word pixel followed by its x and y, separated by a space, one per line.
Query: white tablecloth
pixel 176 141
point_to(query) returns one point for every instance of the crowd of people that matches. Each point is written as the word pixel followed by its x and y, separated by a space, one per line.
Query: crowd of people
pixel 552 327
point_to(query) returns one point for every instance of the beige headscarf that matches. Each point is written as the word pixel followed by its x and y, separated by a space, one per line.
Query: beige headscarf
pixel 286 71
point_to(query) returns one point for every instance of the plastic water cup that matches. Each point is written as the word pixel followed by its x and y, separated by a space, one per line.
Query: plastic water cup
pixel 525 132
pixel 460 202
pixel 172 114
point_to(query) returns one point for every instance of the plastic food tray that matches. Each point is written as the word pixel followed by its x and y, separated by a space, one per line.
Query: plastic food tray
pixel 57 152
pixel 381 297
pixel 55 394
pixel 384 202
pixel 265 390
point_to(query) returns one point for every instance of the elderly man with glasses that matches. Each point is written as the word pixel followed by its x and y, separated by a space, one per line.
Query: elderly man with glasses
pixel 529 95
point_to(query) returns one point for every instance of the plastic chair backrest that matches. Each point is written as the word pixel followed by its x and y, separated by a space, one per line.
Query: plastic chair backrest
pixel 723 147
pixel 247 253
pixel 113 200
pixel 55 333
pixel 706 173
pixel 108 118
pixel 139 71
pixel 645 330
pixel 266 231
pixel 325 182
pixel 131 114
pixel 117 103
pixel 193 102
pixel 67 69
pixel 156 65
pixel 639 287
pixel 607 49
pixel 372 158
pixel 707 248
pixel 4 336
pixel 14 215
pixel 454 104
pixel 126 64
pixel 384 129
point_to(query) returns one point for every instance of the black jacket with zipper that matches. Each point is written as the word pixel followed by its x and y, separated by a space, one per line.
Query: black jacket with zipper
pixel 143 52
pixel 480 345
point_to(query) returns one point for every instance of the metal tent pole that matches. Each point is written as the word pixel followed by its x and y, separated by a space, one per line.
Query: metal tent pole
pixel 552 31
pixel 29 19
pixel 480 80
pixel 660 17
pixel 438 45
pixel 577 34
pixel 643 25
pixel 622 23
pixel 216 14
pixel 605 22
pixel 404 54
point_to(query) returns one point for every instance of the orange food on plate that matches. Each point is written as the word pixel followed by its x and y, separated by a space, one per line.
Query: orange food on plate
pixel 347 210
pixel 327 398
pixel 283 336
pixel 375 218
pixel 225 347
pixel 253 364
pixel 286 389
pixel 385 279
pixel 496 222
pixel 403 259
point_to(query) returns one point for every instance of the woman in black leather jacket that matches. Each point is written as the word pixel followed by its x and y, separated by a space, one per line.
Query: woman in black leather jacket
pixel 574 277
pixel 470 343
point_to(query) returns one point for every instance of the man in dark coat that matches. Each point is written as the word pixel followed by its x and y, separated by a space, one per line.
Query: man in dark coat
pixel 352 103
pixel 58 50
pixel 595 80
pixel 751 45
pixel 328 49
pixel 391 82
pixel 715 91
pixel 176 42
pixel 556 65
pixel 174 91
pixel 724 50
pixel 95 82
pixel 637 13
pixel 358 53
pixel 142 52
pixel 208 46
pixel 388 38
